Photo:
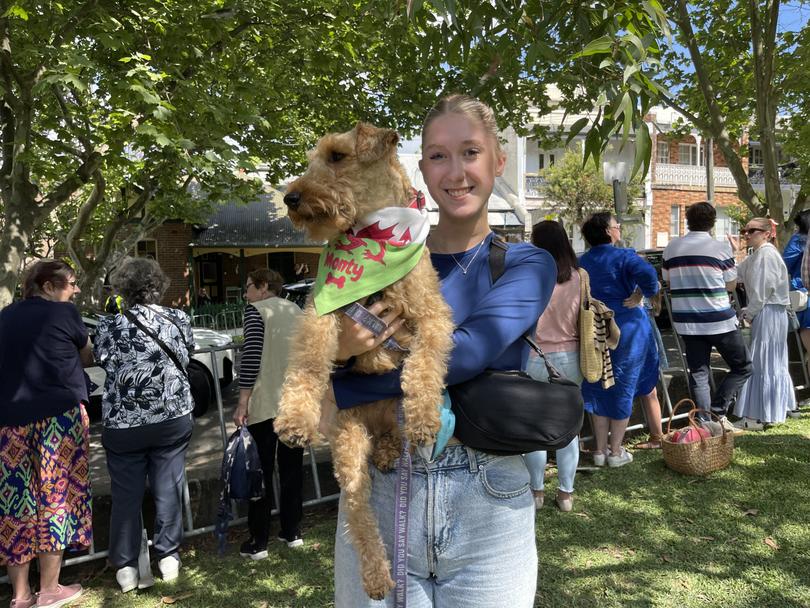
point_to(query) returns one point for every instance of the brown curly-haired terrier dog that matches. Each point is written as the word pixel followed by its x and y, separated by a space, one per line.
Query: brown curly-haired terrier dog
pixel 349 175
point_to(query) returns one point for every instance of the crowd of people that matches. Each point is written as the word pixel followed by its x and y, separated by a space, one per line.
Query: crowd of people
pixel 472 514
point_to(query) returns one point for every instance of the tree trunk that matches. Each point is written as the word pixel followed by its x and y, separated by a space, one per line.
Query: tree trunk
pixel 14 240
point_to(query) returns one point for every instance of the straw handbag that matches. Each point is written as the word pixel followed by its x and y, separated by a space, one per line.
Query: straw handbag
pixel 698 457
pixel 590 357
pixel 598 335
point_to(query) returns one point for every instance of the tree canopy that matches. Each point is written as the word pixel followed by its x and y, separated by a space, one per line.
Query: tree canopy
pixel 735 70
pixel 112 109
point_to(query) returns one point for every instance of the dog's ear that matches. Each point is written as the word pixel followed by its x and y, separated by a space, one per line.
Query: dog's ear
pixel 373 143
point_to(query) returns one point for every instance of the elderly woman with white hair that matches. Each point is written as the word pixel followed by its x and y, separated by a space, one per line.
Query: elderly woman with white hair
pixel 147 414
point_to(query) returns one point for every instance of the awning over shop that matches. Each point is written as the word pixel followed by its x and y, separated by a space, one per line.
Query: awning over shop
pixel 259 227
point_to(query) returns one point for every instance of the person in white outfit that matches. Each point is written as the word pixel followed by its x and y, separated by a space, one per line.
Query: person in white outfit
pixel 768 394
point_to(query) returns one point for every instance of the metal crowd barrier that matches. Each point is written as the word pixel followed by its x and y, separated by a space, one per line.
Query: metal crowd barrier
pixel 228 319
pixel 206 321
pixel 190 530
pixel 189 527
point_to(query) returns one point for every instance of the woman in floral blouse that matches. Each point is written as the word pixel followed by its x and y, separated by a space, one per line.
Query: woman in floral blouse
pixel 146 409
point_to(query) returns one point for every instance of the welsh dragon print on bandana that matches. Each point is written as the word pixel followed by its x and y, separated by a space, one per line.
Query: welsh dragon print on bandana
pixel 381 248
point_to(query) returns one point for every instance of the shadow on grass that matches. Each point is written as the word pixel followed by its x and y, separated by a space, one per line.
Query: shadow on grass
pixel 645 536
pixel 640 536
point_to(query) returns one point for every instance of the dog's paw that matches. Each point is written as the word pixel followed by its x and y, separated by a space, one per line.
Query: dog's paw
pixel 293 432
pixel 423 431
pixel 377 580
pixel 385 453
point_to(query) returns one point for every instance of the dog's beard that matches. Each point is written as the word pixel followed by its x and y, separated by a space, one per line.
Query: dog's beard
pixel 322 223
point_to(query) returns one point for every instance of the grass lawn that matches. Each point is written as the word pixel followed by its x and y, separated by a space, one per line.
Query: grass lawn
pixel 639 536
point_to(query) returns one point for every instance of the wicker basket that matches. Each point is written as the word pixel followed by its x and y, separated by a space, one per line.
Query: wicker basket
pixel 698 457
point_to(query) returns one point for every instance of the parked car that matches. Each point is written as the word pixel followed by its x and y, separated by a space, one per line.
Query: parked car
pixel 297 292
pixel 200 369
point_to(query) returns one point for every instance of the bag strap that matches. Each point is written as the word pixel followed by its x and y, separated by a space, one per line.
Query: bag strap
pixel 497 266
pixel 173 322
pixel 584 288
pixel 172 355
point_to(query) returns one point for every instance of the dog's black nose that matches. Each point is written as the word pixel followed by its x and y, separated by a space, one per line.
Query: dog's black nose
pixel 292 199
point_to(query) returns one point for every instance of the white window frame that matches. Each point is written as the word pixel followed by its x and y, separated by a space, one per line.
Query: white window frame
pixel 662 152
pixel 674 221
pixel 690 152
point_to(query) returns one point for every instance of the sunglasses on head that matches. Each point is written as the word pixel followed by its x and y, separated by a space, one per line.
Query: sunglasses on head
pixel 747 231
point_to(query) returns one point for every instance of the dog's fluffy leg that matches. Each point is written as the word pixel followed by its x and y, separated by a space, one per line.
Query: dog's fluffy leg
pixel 313 350
pixel 425 368
pixel 350 453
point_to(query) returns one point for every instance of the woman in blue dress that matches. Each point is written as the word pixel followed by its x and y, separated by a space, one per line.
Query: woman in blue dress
pixel 615 274
pixel 793 255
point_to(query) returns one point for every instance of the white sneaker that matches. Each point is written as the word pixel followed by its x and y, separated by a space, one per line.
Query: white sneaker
pixel 127 578
pixel 169 567
pixel 794 414
pixel 598 459
pixel 622 459
pixel 749 424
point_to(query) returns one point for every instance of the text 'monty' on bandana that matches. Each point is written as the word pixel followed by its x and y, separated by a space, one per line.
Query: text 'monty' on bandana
pixel 381 248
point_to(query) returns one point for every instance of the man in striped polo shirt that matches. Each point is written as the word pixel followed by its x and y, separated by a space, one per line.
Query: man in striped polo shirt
pixel 700 271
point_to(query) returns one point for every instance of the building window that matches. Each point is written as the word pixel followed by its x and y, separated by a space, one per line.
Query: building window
pixel 662 152
pixel 675 221
pixel 688 154
pixel 146 249
pixel 545 160
pixel 724 225
pixel 755 156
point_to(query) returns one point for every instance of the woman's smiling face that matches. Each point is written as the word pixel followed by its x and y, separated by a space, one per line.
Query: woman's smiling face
pixel 460 162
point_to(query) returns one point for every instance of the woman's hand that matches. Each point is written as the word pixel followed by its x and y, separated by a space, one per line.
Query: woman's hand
pixel 240 414
pixel 634 299
pixel 355 339
pixel 734 241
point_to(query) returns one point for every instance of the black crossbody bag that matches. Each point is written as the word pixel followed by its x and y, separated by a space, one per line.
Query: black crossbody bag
pixel 163 346
pixel 509 412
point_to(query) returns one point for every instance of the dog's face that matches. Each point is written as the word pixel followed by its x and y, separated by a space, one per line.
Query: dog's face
pixel 349 175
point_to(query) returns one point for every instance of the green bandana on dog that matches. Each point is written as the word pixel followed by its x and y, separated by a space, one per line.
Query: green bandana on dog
pixel 380 249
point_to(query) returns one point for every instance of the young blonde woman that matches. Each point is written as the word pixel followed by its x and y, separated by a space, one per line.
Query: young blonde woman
pixel 768 394
pixel 471 515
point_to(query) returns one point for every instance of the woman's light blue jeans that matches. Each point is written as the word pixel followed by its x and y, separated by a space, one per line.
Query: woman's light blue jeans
pixel 471 535
pixel 568 457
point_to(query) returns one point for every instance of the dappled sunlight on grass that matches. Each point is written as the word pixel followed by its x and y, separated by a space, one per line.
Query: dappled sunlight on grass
pixel 640 536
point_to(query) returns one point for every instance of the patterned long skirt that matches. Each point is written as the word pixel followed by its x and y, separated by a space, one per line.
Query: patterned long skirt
pixel 44 487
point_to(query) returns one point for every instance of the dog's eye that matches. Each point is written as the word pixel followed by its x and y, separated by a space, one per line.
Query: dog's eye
pixel 336 156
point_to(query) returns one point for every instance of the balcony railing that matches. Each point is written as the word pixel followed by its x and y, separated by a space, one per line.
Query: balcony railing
pixel 535 186
pixel 690 175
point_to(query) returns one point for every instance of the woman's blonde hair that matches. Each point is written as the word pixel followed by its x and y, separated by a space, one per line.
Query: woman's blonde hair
pixel 472 108
pixel 767 224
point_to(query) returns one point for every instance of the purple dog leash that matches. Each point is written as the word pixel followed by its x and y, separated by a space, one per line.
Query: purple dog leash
pixel 403 496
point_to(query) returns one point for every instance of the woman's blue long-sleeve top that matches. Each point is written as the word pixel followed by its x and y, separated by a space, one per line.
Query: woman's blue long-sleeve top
pixel 793 254
pixel 490 320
